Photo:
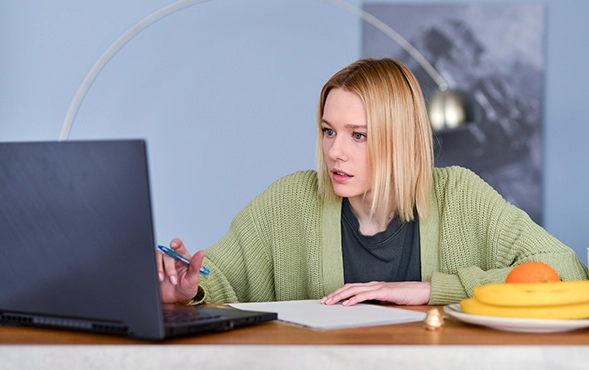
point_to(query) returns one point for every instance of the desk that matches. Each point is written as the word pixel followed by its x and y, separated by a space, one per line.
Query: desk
pixel 278 344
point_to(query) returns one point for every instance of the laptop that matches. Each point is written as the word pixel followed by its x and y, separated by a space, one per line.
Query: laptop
pixel 77 248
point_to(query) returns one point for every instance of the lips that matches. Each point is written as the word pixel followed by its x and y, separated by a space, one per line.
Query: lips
pixel 340 176
pixel 340 173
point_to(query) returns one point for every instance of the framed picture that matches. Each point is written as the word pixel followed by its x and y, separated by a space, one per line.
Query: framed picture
pixel 493 55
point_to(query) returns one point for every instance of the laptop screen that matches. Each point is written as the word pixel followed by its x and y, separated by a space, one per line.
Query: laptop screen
pixel 76 235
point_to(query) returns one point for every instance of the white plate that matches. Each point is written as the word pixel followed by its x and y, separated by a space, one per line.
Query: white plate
pixel 513 324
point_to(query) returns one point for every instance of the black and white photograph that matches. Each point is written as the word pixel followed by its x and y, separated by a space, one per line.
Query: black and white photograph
pixel 491 56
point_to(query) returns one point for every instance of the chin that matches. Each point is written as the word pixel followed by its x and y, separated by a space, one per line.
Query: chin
pixel 345 193
pixel 349 192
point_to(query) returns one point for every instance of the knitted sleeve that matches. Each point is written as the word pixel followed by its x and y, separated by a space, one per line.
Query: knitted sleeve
pixel 482 237
pixel 237 260
pixel 272 250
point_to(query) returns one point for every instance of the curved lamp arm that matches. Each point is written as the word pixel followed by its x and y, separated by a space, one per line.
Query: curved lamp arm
pixel 395 36
pixel 110 52
pixel 181 4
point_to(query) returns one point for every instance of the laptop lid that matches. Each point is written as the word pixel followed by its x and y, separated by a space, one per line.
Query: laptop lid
pixel 77 242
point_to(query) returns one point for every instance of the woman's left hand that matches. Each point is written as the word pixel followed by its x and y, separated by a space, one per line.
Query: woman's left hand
pixel 407 293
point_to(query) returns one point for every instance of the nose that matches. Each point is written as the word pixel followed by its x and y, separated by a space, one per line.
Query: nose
pixel 337 150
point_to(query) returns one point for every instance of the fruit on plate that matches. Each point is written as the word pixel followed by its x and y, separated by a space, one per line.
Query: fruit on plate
pixel 534 294
pixel 558 312
pixel 532 272
pixel 531 290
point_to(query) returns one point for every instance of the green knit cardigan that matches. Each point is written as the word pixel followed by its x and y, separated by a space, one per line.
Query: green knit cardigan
pixel 286 243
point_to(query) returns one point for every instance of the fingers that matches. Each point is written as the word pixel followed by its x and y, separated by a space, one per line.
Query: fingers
pixel 362 296
pixel 196 260
pixel 351 294
pixel 168 266
pixel 179 280
pixel 176 244
pixel 192 276
pixel 159 263
pixel 401 293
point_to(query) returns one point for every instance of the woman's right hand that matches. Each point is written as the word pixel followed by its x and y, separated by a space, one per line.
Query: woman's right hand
pixel 178 281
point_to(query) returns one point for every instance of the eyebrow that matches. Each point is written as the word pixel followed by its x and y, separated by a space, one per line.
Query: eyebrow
pixel 348 126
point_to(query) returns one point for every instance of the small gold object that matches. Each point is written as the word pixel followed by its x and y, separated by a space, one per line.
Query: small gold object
pixel 433 320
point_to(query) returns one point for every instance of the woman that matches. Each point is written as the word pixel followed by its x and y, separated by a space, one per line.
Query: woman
pixel 376 222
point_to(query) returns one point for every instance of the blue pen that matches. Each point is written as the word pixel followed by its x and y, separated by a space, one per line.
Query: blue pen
pixel 172 253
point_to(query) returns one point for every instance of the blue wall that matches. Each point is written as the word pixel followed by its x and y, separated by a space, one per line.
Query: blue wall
pixel 225 93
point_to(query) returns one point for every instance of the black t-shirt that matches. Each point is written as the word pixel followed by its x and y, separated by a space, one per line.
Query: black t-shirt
pixel 391 255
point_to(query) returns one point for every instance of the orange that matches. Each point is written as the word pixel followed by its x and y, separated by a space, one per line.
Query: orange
pixel 532 272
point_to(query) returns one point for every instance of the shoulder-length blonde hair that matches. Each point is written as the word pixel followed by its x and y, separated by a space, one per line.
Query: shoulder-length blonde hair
pixel 399 137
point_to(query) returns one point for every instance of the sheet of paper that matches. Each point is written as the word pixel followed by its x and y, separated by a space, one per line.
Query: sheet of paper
pixel 313 314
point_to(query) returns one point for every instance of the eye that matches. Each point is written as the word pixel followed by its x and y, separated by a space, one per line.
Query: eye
pixel 328 132
pixel 359 136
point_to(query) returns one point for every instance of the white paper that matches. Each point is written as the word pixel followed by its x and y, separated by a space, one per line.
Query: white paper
pixel 315 315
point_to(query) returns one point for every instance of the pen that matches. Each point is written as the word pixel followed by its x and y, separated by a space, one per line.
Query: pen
pixel 172 253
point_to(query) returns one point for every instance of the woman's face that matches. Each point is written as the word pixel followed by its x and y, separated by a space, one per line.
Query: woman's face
pixel 344 144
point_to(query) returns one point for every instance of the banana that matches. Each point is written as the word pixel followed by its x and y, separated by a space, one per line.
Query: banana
pixel 561 312
pixel 534 294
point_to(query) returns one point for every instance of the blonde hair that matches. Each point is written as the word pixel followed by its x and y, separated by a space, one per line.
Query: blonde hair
pixel 399 137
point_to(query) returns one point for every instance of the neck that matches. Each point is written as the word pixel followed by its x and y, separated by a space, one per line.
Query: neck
pixel 368 225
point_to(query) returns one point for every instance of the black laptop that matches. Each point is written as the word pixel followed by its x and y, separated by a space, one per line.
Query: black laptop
pixel 77 248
